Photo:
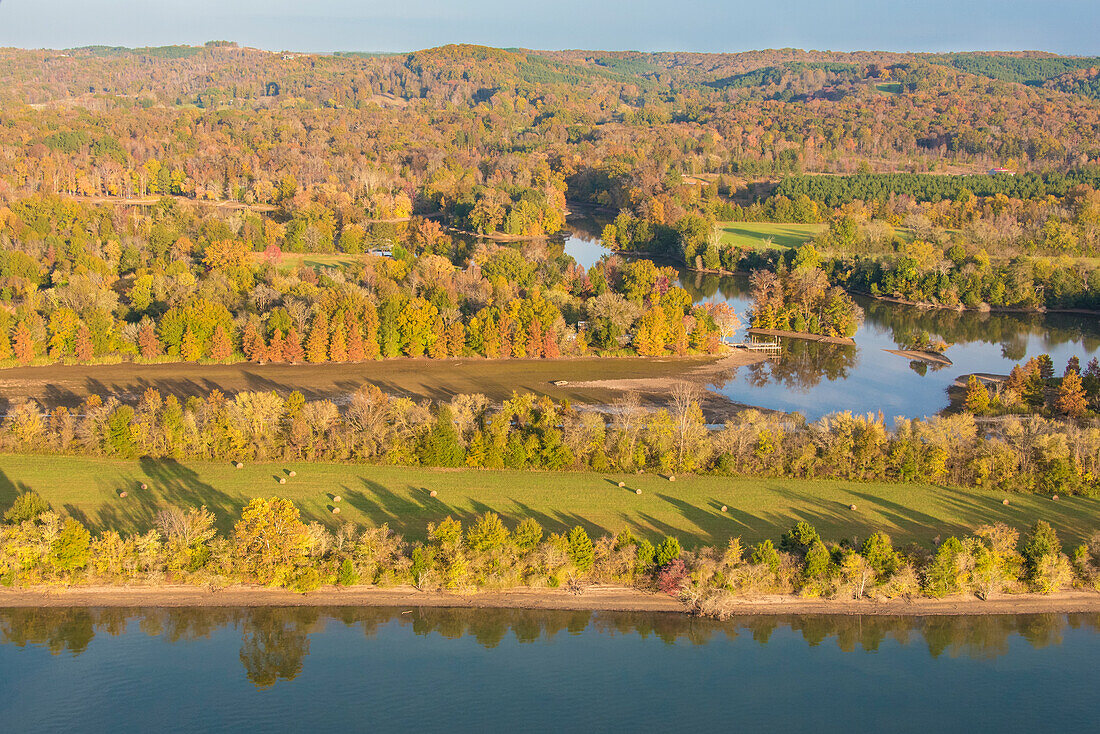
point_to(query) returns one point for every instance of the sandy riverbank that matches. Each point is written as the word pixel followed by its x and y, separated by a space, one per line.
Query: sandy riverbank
pixel 590 598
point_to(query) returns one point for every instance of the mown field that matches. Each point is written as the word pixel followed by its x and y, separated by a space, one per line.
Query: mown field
pixel 689 507
pixel 757 235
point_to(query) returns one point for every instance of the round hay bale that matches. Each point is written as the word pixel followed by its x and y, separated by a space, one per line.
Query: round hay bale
pixel 637 491
pixel 144 485
pixel 622 484
pixel 282 480
pixel 1054 497
pixel 239 465
pixel 123 494
pixel 672 477
pixel 1004 501
pixel 335 510
pixel 336 498
pixel 433 493
pixel 852 507
pixel 725 509
pixel 293 473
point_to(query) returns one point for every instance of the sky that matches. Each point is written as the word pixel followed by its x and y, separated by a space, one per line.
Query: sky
pixel 1060 26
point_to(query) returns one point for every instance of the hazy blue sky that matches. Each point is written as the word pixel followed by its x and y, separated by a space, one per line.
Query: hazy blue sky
pixel 1066 26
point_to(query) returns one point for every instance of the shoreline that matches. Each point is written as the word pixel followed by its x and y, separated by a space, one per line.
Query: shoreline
pixel 592 598
pixel 846 341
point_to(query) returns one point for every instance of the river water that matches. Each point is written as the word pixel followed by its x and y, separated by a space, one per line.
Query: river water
pixel 817 379
pixel 308 669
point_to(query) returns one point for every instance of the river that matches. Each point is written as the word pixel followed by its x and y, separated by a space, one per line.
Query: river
pixel 308 669
pixel 817 379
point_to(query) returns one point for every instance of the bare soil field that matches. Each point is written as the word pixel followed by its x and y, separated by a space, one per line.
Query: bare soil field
pixel 69 385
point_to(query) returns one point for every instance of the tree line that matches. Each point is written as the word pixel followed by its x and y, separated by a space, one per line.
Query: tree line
pixel 270 544
pixel 1023 453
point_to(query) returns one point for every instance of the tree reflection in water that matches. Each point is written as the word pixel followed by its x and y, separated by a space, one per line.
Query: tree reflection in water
pixel 275 642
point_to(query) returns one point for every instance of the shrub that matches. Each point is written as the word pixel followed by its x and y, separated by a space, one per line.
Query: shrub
pixel 27 507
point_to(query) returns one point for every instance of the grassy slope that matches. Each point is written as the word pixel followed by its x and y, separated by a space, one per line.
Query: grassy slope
pixel 689 507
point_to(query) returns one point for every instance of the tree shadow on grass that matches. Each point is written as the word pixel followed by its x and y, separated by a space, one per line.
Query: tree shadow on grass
pixel 9 490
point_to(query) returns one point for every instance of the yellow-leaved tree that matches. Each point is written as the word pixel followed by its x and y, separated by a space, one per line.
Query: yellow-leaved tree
pixel 270 539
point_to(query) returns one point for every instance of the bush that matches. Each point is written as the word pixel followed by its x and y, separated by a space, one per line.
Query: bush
pixel 27 507
pixel 347 575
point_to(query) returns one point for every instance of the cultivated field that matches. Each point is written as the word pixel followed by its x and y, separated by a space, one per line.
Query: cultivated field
pixel 689 507
pixel 420 379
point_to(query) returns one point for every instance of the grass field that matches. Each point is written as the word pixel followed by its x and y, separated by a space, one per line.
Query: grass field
pixel 756 235
pixel 289 260
pixel 690 507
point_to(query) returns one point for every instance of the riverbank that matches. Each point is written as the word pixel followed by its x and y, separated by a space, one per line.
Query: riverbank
pixel 585 598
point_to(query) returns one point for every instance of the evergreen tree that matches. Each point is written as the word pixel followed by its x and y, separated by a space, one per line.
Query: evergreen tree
pixel 668 550
pixel 977 396
pixel 1034 393
pixel 581 552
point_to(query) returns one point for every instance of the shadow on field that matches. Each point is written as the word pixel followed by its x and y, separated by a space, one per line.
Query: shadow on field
pixel 9 490
pixel 170 483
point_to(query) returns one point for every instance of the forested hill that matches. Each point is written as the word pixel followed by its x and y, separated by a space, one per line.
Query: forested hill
pixel 516 130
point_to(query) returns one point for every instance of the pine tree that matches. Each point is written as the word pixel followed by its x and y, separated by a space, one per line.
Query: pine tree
pixel 222 348
pixel 1071 396
pixel 317 343
pixel 83 343
pixel 1034 393
pixel 148 343
pixel 977 396
pixel 292 345
pixel 24 343
pixel 580 549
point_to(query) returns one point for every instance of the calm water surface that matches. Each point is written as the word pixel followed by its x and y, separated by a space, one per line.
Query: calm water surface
pixel 103 670
pixel 817 379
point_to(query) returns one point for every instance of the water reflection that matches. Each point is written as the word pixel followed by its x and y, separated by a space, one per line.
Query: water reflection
pixel 275 642
pixel 816 379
